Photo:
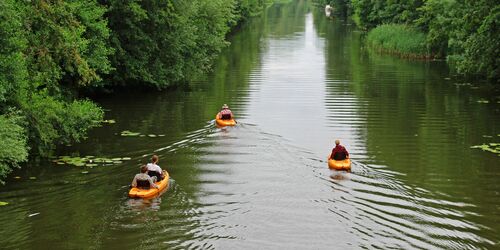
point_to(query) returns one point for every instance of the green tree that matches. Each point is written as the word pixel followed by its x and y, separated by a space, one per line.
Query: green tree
pixel 13 143
pixel 13 76
pixel 162 43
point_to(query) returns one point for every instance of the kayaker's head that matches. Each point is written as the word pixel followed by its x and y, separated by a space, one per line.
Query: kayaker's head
pixel 337 142
pixel 154 159
pixel 225 106
pixel 144 169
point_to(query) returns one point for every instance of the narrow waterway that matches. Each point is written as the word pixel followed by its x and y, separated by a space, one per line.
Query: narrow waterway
pixel 296 81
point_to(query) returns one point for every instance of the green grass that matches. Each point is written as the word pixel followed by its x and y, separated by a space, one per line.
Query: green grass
pixel 400 40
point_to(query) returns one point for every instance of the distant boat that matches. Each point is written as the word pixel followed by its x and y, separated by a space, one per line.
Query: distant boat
pixel 328 10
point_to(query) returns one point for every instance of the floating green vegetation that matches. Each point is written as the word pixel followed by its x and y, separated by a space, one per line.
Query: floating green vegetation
pixel 483 101
pixel 132 134
pixel 129 133
pixel 89 161
pixel 111 121
pixel 490 147
pixel 3 203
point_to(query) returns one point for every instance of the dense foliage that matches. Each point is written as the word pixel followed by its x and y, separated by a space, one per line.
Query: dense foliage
pixel 464 31
pixel 51 51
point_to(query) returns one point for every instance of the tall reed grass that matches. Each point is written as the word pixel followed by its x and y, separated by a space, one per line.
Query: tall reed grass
pixel 400 40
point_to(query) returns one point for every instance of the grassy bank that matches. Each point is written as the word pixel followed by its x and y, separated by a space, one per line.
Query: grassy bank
pixel 399 40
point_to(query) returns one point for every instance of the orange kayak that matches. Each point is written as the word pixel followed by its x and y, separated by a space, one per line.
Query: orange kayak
pixel 152 192
pixel 340 165
pixel 224 123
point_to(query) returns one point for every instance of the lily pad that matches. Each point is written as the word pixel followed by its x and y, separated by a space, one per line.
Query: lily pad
pixel 109 121
pixel 151 135
pixel 129 133
pixel 483 101
pixel 89 161
pixel 85 172
pixel 32 178
pixel 161 135
pixel 491 147
pixel 17 177
pixel 3 203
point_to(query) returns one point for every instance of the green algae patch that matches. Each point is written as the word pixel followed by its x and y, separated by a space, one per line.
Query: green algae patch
pixel 490 147
pixel 89 161
pixel 111 121
pixel 129 133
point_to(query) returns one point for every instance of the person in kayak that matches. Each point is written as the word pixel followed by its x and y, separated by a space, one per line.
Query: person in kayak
pixel 339 152
pixel 225 113
pixel 154 170
pixel 143 180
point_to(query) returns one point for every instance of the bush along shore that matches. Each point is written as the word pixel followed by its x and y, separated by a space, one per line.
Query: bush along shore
pixel 466 33
pixel 52 51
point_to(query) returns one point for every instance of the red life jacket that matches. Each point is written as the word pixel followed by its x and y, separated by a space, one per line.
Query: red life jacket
pixel 225 114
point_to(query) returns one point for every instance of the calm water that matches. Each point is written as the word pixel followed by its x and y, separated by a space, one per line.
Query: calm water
pixel 296 81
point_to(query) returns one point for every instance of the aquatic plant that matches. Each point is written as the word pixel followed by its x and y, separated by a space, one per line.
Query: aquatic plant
pixel 89 161
pixel 490 147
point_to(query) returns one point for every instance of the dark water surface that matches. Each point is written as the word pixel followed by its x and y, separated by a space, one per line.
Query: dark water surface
pixel 296 81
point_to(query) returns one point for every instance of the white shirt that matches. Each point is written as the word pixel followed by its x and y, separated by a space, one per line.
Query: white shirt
pixel 154 167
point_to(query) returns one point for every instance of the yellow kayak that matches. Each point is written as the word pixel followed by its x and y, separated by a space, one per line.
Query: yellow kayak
pixel 152 192
pixel 340 165
pixel 224 123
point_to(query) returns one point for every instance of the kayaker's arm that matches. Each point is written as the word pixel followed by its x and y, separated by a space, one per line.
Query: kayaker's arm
pixel 134 182
pixel 152 184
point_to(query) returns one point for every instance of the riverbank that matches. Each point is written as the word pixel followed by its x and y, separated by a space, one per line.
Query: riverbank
pixel 465 33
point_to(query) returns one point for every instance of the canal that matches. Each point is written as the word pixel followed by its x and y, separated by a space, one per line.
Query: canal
pixel 296 81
